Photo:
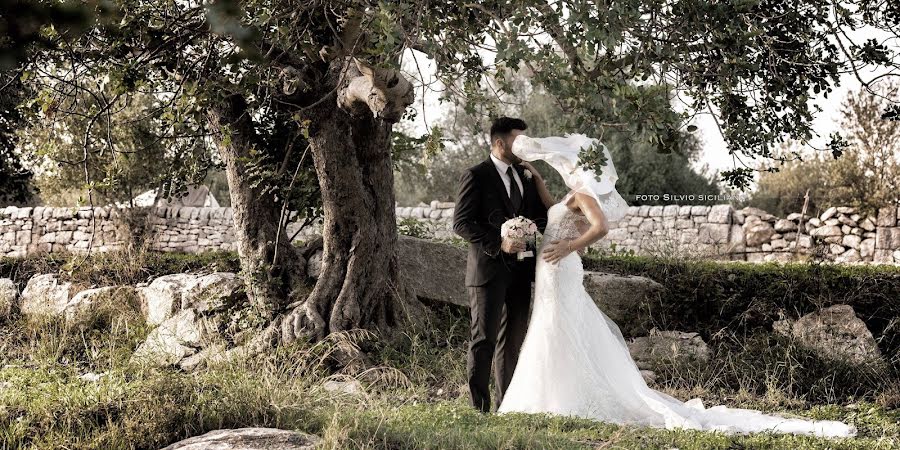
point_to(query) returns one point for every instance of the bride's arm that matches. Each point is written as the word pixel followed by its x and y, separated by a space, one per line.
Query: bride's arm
pixel 599 228
pixel 541 186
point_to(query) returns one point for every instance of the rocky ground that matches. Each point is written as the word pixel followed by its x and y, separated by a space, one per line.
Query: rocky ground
pixel 170 363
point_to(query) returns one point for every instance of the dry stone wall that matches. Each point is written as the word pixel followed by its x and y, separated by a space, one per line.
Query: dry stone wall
pixel 840 234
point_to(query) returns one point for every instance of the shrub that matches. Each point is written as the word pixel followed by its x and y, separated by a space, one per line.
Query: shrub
pixel 734 300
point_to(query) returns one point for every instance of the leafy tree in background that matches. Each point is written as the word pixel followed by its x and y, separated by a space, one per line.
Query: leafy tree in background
pixel 641 167
pixel 866 176
pixel 16 187
pixel 267 80
pixel 127 160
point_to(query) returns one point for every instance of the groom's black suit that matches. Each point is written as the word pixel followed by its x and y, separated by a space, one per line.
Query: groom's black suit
pixel 499 285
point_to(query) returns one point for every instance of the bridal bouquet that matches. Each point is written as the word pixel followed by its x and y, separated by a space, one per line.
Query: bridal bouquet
pixel 523 230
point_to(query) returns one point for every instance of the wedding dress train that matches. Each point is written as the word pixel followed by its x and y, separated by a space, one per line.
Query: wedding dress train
pixel 574 360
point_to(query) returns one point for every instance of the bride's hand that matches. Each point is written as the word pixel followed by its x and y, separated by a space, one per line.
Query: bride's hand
pixel 557 250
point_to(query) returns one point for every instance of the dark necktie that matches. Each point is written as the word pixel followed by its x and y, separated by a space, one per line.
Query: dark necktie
pixel 514 195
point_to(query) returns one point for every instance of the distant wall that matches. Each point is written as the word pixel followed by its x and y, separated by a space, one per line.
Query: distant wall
pixel 35 230
pixel 719 231
pixel 722 232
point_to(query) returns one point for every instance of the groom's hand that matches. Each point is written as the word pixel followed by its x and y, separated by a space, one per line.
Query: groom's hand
pixel 511 246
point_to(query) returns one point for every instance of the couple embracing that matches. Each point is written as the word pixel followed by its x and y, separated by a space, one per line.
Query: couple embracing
pixel 559 353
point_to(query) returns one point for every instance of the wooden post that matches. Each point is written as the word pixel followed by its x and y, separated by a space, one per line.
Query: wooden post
pixel 800 224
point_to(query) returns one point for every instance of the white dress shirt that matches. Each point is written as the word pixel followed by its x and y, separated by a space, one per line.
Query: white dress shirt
pixel 501 167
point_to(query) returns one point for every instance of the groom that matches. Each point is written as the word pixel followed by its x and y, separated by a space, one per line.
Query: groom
pixel 499 285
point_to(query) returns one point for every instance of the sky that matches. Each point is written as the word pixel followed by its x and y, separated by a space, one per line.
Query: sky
pixel 715 153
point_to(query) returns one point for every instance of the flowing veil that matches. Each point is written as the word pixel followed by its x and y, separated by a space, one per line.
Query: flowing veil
pixel 562 154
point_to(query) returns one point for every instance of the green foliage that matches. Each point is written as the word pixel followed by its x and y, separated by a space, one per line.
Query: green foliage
pixel 737 300
pixel 642 169
pixel 593 157
pixel 409 226
pixel 753 64
pixel 16 185
pixel 83 161
pixel 867 174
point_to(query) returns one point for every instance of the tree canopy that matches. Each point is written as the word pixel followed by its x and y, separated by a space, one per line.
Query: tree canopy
pixel 299 99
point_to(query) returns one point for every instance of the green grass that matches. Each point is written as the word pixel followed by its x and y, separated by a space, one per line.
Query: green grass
pixel 412 398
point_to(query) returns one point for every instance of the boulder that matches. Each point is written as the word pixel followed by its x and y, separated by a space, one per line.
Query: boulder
pixel 826 231
pixel 867 248
pixel 211 354
pixel 758 233
pixel 849 256
pixel 763 215
pixel 90 306
pixel 829 213
pixel 835 333
pixel 314 265
pixel 213 292
pixel 666 347
pixel 171 293
pixel 162 298
pixel 851 241
pixel 350 387
pixel 434 270
pixel 172 341
pixel 887 217
pixel 9 294
pixel 720 214
pixel 46 296
pixel 868 224
pixel 625 299
pixel 248 439
pixel 783 225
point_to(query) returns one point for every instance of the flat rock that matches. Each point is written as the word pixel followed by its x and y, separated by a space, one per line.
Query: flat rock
pixel 833 332
pixel 166 295
pixel 667 347
pixel 758 233
pixel 46 296
pixel 351 387
pixel 434 270
pixel 248 439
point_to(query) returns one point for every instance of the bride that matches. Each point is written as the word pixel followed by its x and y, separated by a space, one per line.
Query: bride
pixel 574 360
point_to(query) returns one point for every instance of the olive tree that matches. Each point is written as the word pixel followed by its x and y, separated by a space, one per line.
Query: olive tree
pixel 272 81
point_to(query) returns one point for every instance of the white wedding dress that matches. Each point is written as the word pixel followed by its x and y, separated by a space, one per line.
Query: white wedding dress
pixel 574 360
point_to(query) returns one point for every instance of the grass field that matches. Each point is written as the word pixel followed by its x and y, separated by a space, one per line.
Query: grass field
pixel 75 390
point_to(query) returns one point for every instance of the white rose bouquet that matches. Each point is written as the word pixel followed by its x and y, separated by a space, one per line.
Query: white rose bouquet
pixel 523 230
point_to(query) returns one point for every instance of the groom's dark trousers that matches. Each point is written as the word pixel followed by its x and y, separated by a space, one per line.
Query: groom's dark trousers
pixel 499 285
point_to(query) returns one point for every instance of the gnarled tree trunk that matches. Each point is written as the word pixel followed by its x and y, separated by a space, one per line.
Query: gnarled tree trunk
pixel 359 285
pixel 272 268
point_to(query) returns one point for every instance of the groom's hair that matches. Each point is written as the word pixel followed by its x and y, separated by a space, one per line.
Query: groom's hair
pixel 503 126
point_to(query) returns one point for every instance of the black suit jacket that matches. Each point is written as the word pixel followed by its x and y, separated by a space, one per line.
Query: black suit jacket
pixel 482 205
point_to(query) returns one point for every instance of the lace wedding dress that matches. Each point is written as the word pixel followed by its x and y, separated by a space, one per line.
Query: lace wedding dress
pixel 574 360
